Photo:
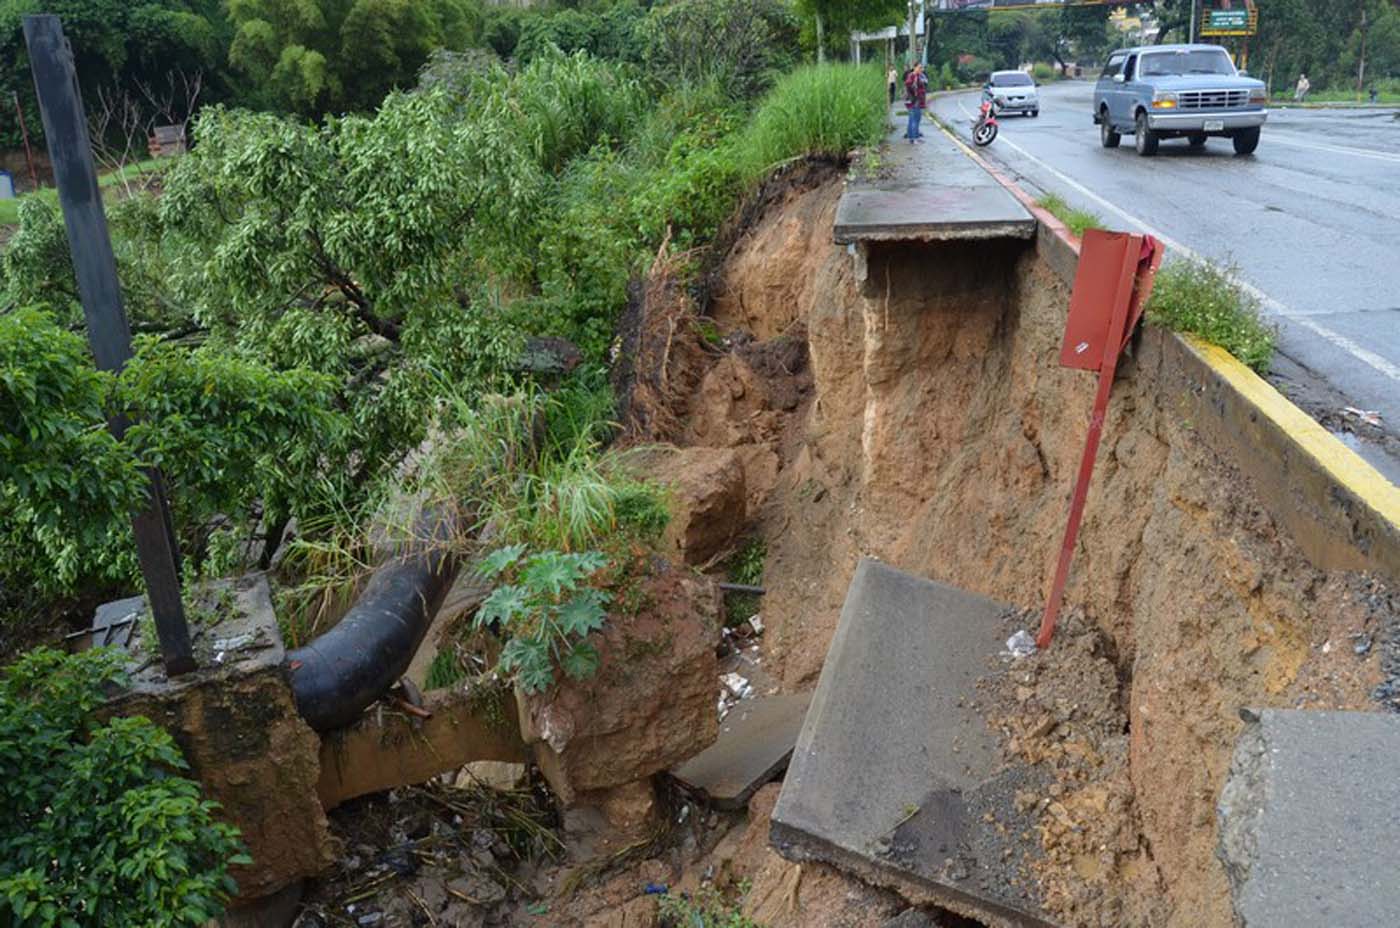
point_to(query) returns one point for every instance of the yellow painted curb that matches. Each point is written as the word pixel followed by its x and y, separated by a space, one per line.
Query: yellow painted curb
pixel 1345 466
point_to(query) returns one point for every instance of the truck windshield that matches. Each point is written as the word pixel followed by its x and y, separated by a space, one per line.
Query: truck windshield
pixel 1199 61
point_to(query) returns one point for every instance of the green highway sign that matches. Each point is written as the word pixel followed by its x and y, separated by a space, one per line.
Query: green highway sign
pixel 1229 19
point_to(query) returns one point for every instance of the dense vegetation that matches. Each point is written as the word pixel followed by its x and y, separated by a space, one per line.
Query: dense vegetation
pixel 311 297
pixel 97 827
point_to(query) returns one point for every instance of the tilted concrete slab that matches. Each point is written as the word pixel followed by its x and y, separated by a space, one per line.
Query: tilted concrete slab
pixel 897 776
pixel 755 742
pixel 1310 820
pixel 925 193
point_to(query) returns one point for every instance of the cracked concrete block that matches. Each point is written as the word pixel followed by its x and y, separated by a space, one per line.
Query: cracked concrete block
pixel 1310 820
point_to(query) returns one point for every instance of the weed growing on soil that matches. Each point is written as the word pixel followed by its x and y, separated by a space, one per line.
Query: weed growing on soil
pixel 547 610
pixel 1076 220
pixel 1205 300
pixel 706 909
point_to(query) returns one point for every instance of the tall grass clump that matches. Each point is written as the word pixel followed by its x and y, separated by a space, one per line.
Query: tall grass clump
pixel 822 109
pixel 1205 300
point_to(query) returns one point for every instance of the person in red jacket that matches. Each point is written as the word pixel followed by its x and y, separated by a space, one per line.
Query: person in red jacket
pixel 915 99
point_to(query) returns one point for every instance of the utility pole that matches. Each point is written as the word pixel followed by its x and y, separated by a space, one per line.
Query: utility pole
pixel 1191 27
pixel 109 336
pixel 1361 66
pixel 912 49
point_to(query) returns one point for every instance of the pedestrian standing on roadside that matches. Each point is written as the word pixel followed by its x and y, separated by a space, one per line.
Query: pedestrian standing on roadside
pixel 915 99
pixel 891 78
pixel 1301 91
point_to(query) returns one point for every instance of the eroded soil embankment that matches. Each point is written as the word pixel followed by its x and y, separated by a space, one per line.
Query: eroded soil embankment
pixel 928 424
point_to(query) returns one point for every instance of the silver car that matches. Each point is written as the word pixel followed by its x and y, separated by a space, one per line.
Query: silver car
pixel 1013 92
pixel 1178 91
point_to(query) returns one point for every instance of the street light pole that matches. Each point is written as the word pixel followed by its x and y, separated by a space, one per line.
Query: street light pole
pixel 1191 27
pixel 109 335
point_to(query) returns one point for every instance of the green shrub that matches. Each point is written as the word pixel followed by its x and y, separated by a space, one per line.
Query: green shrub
pixel 1076 220
pixel 1043 73
pixel 1205 300
pixel 96 826
pixel 824 109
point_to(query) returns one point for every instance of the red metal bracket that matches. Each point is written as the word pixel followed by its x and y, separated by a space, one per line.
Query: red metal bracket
pixel 1111 287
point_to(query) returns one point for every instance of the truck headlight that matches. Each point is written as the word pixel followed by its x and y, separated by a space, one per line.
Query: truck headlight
pixel 1258 96
pixel 1164 101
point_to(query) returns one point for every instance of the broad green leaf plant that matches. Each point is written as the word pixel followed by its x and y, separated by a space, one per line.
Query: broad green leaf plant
pixel 545 607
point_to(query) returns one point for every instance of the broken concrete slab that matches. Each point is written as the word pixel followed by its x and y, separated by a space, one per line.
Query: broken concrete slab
pixel 896 776
pixel 925 193
pixel 1310 820
pixel 755 742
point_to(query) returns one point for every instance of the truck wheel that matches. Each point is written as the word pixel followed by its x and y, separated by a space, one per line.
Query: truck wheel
pixel 1197 140
pixel 1035 113
pixel 1107 137
pixel 1246 140
pixel 1145 139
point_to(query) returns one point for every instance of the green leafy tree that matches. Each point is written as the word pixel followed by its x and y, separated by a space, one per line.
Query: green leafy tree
pixel 840 17
pixel 743 44
pixel 120 43
pixel 311 56
pixel 233 437
pixel 97 825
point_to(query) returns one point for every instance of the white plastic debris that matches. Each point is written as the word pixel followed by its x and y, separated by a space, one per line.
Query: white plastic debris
pixel 738 686
pixel 756 623
pixel 1020 645
pixel 1368 416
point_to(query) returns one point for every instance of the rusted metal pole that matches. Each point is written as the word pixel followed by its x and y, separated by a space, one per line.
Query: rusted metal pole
pixel 1127 288
pixel 95 267
pixel 24 133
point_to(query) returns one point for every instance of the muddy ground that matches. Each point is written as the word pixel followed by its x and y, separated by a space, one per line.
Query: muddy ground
pixel 935 431
pixel 920 417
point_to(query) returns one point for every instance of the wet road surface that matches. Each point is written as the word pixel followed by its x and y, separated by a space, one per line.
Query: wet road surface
pixel 1311 221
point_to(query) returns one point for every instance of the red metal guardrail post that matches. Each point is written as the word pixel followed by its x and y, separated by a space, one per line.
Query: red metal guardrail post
pixel 1111 288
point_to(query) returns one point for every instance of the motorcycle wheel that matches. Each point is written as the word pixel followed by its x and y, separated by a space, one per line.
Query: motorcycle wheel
pixel 984 133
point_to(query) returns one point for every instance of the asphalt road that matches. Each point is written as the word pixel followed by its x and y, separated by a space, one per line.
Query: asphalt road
pixel 1311 221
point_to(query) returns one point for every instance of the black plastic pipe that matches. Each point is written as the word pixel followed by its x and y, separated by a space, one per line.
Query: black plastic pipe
pixel 340 673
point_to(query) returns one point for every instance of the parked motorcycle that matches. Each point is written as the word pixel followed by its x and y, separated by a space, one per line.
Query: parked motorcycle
pixel 984 128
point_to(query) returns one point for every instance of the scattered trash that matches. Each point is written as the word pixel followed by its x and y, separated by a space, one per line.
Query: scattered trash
pixel 1020 645
pixel 1362 644
pixel 655 889
pixel 1327 646
pixel 756 623
pixel 1368 416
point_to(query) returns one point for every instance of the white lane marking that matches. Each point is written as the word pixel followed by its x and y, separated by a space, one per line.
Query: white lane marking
pixel 1274 139
pixel 1336 339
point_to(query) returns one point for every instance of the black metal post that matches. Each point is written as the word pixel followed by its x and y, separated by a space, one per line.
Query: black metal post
pixel 65 126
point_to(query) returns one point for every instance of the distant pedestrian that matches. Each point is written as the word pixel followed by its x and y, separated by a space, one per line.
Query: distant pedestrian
pixel 891 78
pixel 1374 95
pixel 1300 92
pixel 915 99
